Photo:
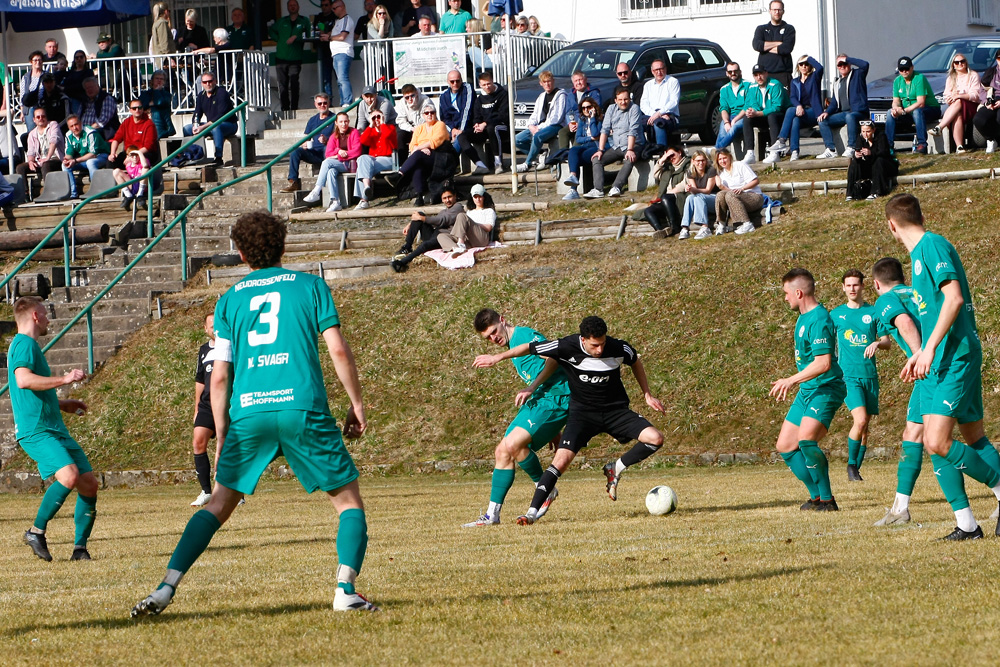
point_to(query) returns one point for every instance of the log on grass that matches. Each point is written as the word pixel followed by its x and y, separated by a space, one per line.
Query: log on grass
pixel 27 239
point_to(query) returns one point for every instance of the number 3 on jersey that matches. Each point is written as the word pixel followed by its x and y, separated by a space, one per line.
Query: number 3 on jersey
pixel 268 318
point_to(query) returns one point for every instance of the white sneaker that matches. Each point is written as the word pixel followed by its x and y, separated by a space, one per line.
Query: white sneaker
pixel 778 146
pixel 685 234
pixel 480 169
pixel 202 499
pixel 522 168
pixel 614 192
pixel 720 229
pixel 458 250
pixel 362 205
pixel 703 233
pixel 498 168
pixel 154 603
pixel 772 157
pixel 344 601
pixel 313 196
pixel 572 195
pixel 594 194
pixel 827 154
pixel 991 145
pixel 334 206
pixel 484 520
pixel 849 152
pixel 745 228
pixel 749 158
pixel 548 503
pixel 795 156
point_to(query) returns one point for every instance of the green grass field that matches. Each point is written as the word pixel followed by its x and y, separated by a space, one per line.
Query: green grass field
pixel 738 575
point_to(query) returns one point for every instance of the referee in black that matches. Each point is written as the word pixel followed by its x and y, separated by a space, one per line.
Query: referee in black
pixel 204 422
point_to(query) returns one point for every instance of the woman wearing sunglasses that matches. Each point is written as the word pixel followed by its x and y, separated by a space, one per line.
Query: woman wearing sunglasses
pixel 961 94
pixel 588 131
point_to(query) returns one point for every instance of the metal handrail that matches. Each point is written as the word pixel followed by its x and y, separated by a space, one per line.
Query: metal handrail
pixel 181 218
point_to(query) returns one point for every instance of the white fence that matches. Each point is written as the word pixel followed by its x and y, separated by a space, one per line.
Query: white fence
pixel 479 51
pixel 244 74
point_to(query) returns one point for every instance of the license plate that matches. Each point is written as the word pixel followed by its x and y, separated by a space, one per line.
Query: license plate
pixel 520 123
pixel 879 116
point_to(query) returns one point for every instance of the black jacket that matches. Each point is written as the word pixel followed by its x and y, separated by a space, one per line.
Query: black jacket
pixel 782 60
pixel 491 109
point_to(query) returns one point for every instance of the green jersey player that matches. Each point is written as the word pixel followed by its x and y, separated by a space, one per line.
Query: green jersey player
pixel 821 391
pixel 42 434
pixel 538 422
pixel 856 331
pixel 269 399
pixel 950 361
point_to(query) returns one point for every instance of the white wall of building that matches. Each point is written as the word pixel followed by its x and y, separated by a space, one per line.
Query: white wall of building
pixel 19 45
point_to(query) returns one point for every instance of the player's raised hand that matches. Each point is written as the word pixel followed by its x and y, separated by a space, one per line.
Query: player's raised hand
pixel 484 361
pixel 75 375
pixel 871 349
pixel 780 388
pixel 655 403
pixel 522 397
pixel 355 423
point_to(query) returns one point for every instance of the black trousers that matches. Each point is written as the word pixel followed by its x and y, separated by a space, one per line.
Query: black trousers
pixel 771 123
pixel 987 121
pixel 665 211
pixel 881 171
pixel 491 139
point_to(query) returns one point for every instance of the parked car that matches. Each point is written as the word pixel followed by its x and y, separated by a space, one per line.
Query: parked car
pixel 698 64
pixel 933 62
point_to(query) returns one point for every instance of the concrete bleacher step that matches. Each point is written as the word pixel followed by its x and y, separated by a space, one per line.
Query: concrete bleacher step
pixel 62 359
pixel 117 322
pixel 810 164
pixel 336 269
pixel 77 338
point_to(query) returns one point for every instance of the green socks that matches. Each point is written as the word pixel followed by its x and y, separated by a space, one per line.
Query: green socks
pixel 853 451
pixel 86 513
pixel 199 532
pixel 966 460
pixel 502 481
pixel 531 466
pixel 951 481
pixel 861 455
pixel 51 502
pixel 908 469
pixel 818 466
pixel 987 452
pixel 352 542
pixel 797 463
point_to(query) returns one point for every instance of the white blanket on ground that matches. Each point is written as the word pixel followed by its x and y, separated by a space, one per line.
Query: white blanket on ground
pixel 466 260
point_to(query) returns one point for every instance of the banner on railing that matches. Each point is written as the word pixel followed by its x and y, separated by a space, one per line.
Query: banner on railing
pixel 426 62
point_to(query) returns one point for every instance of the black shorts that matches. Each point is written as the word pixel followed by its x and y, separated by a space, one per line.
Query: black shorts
pixel 583 424
pixel 205 419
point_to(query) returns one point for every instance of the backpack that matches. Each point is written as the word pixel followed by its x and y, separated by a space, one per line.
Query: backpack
pixel 192 153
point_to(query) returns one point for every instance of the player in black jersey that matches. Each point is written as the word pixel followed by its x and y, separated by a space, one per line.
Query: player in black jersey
pixel 598 401
pixel 204 422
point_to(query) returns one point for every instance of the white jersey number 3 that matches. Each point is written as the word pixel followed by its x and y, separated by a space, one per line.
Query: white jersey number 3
pixel 268 318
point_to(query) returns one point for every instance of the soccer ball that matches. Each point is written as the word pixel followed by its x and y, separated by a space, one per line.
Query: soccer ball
pixel 661 500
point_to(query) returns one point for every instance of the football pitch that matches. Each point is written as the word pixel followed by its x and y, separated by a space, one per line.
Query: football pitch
pixel 737 575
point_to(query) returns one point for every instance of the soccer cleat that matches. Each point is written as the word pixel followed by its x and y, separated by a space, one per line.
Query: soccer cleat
pixel 893 518
pixel 572 195
pixel 38 544
pixel 685 234
pixel 614 192
pixel 827 506
pixel 572 181
pixel 80 553
pixel 810 504
pixel 526 519
pixel 484 520
pixel 548 502
pixel 314 196
pixel 827 154
pixel 704 233
pixel 594 194
pixel 344 601
pixel 613 479
pixel 154 603
pixel 959 534
pixel 745 228
pixel 852 474
pixel 202 499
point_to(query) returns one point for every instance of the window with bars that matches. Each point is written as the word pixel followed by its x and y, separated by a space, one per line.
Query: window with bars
pixel 134 35
pixel 651 9
pixel 982 12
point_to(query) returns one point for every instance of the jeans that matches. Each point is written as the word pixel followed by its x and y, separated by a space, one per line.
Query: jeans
pixel 793 124
pixel 581 154
pixel 288 83
pixel 696 209
pixel 219 134
pixel 368 166
pixel 300 154
pixel 329 172
pixel 839 119
pixel 342 66
pixel 726 138
pixel 532 143
pixel 920 118
pixel 91 165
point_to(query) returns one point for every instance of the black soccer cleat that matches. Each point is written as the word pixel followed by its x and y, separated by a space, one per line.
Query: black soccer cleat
pixel 80 553
pixel 853 474
pixel 827 505
pixel 959 534
pixel 809 504
pixel 38 545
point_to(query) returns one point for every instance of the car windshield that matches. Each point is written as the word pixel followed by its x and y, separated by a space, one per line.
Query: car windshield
pixel 596 61
pixel 937 57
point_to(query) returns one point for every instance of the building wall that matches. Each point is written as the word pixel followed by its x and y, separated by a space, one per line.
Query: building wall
pixel 19 45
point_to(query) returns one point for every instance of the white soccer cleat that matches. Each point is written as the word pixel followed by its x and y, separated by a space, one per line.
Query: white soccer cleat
pixel 745 228
pixel 344 601
pixel 484 520
pixel 548 503
pixel 527 519
pixel 202 499
pixel 155 603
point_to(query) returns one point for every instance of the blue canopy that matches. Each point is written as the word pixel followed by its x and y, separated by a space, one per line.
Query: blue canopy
pixel 508 7
pixel 37 15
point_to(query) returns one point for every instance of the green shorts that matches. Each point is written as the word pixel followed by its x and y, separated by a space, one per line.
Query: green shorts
pixel 54 451
pixel 543 418
pixel 819 403
pixel 310 441
pixel 913 407
pixel 862 392
pixel 956 390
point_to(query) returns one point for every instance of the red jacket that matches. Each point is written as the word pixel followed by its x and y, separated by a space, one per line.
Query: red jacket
pixel 140 135
pixel 380 144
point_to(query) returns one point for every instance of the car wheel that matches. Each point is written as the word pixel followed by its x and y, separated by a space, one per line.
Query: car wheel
pixel 710 131
pixel 978 140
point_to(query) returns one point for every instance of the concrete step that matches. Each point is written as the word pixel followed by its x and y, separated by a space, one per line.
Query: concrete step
pixel 249 203
pixel 337 269
pixel 141 274
pixel 119 307
pixel 104 322
pixel 77 338
pixel 130 291
pixel 65 359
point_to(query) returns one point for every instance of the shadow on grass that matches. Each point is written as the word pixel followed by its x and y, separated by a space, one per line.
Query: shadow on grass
pixel 258 545
pixel 168 617
pixel 746 506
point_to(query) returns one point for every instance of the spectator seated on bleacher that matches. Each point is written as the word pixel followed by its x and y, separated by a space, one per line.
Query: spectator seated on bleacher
pixel 588 131
pixel 913 105
pixel 732 105
pixel 660 104
pixel 873 169
pixel 136 130
pixel 380 139
pixel 427 228
pixel 372 102
pixel 455 107
pixel 664 213
pixel 99 109
pixel 432 158
pixel 157 100
pixel 765 110
pixel 313 152
pixel 581 89
pixel 622 136
pixel 488 127
pixel 987 119
pixel 73 78
pixel 547 118
pixel 848 102
pixel 342 151
pixel 86 149
pixel 473 228
pixel 961 94
pixel 739 194
pixel 135 164
pixel 212 103
pixel 806 106
pixel 700 187
pixel 46 147
pixel 54 101
pixel 409 113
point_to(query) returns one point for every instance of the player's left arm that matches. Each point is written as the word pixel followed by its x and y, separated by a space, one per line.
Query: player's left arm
pixel 347 371
pixel 550 367
pixel 820 364
pixel 639 371
pixel 919 365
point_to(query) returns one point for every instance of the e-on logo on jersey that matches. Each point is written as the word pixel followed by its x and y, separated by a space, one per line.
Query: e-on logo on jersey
pixel 856 338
